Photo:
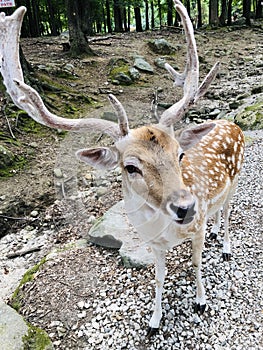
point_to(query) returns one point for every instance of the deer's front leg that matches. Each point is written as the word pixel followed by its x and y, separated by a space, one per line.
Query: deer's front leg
pixel 159 278
pixel 197 246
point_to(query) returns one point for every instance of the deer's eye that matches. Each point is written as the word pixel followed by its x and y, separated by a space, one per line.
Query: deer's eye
pixel 181 156
pixel 132 169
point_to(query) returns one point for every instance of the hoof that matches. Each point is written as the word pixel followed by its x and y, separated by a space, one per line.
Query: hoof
pixel 212 236
pixel 151 332
pixel 199 309
pixel 226 256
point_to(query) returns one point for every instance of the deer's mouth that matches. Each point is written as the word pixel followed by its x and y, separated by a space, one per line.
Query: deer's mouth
pixel 185 221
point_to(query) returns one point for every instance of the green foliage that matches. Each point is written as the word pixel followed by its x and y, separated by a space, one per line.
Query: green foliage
pixel 36 339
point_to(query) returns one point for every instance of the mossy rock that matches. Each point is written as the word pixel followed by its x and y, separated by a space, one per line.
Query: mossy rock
pixel 119 72
pixel 7 158
pixel 251 118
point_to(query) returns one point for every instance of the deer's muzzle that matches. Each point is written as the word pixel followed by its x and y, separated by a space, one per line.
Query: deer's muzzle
pixel 181 206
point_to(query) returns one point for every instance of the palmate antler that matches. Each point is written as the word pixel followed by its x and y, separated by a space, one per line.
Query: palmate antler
pixel 26 98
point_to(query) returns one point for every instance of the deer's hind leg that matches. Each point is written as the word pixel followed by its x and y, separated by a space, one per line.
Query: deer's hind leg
pixel 226 211
pixel 216 227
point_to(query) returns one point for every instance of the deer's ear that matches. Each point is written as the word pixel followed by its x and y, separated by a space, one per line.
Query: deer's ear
pixel 100 158
pixel 190 137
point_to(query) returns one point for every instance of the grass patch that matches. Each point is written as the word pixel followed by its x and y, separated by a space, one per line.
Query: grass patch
pixel 17 296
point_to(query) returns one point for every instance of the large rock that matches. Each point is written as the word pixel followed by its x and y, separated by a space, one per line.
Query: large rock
pixel 12 328
pixel 251 117
pixel 162 46
pixel 142 65
pixel 113 230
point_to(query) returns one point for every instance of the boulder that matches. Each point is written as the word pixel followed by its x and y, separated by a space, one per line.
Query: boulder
pixel 134 73
pixel 113 230
pixel 122 79
pixel 162 46
pixel 119 72
pixel 142 65
pixel 12 328
pixel 251 117
pixel 17 334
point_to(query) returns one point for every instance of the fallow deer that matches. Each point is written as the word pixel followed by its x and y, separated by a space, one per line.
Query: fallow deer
pixel 171 186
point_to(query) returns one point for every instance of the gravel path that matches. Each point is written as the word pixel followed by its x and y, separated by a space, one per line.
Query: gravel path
pixel 85 298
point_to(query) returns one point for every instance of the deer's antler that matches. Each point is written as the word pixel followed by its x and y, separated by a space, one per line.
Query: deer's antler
pixel 189 79
pixel 27 98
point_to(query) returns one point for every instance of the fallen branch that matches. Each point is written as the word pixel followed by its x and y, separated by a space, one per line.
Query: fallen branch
pixel 20 253
pixel 13 218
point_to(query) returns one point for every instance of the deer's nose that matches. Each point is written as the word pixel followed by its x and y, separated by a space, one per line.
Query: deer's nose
pixel 181 206
pixel 183 212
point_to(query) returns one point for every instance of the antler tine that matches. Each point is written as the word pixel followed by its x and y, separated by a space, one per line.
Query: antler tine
pixel 24 96
pixel 189 79
pixel 122 116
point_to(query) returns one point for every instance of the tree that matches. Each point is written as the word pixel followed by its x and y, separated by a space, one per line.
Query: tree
pixel 117 12
pixel 170 7
pixel 152 15
pixel 138 18
pixel 259 9
pixel 108 16
pixel 147 26
pixel 223 15
pixel 229 12
pixel 213 12
pixel 77 39
pixel 246 11
pixel 52 18
pixel 199 14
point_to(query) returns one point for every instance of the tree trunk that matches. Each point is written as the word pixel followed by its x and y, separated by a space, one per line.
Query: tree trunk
pixel 108 16
pixel 77 39
pixel 222 18
pixel 170 12
pixel 36 22
pixel 160 12
pixel 199 16
pixel 52 19
pixel 117 17
pixel 229 13
pixel 213 12
pixel 188 7
pixel 138 19
pixel 259 9
pixel 86 16
pixel 129 17
pixel 246 11
pixel 152 15
pixel 147 26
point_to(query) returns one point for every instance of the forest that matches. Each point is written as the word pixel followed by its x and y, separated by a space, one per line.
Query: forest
pixel 88 17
